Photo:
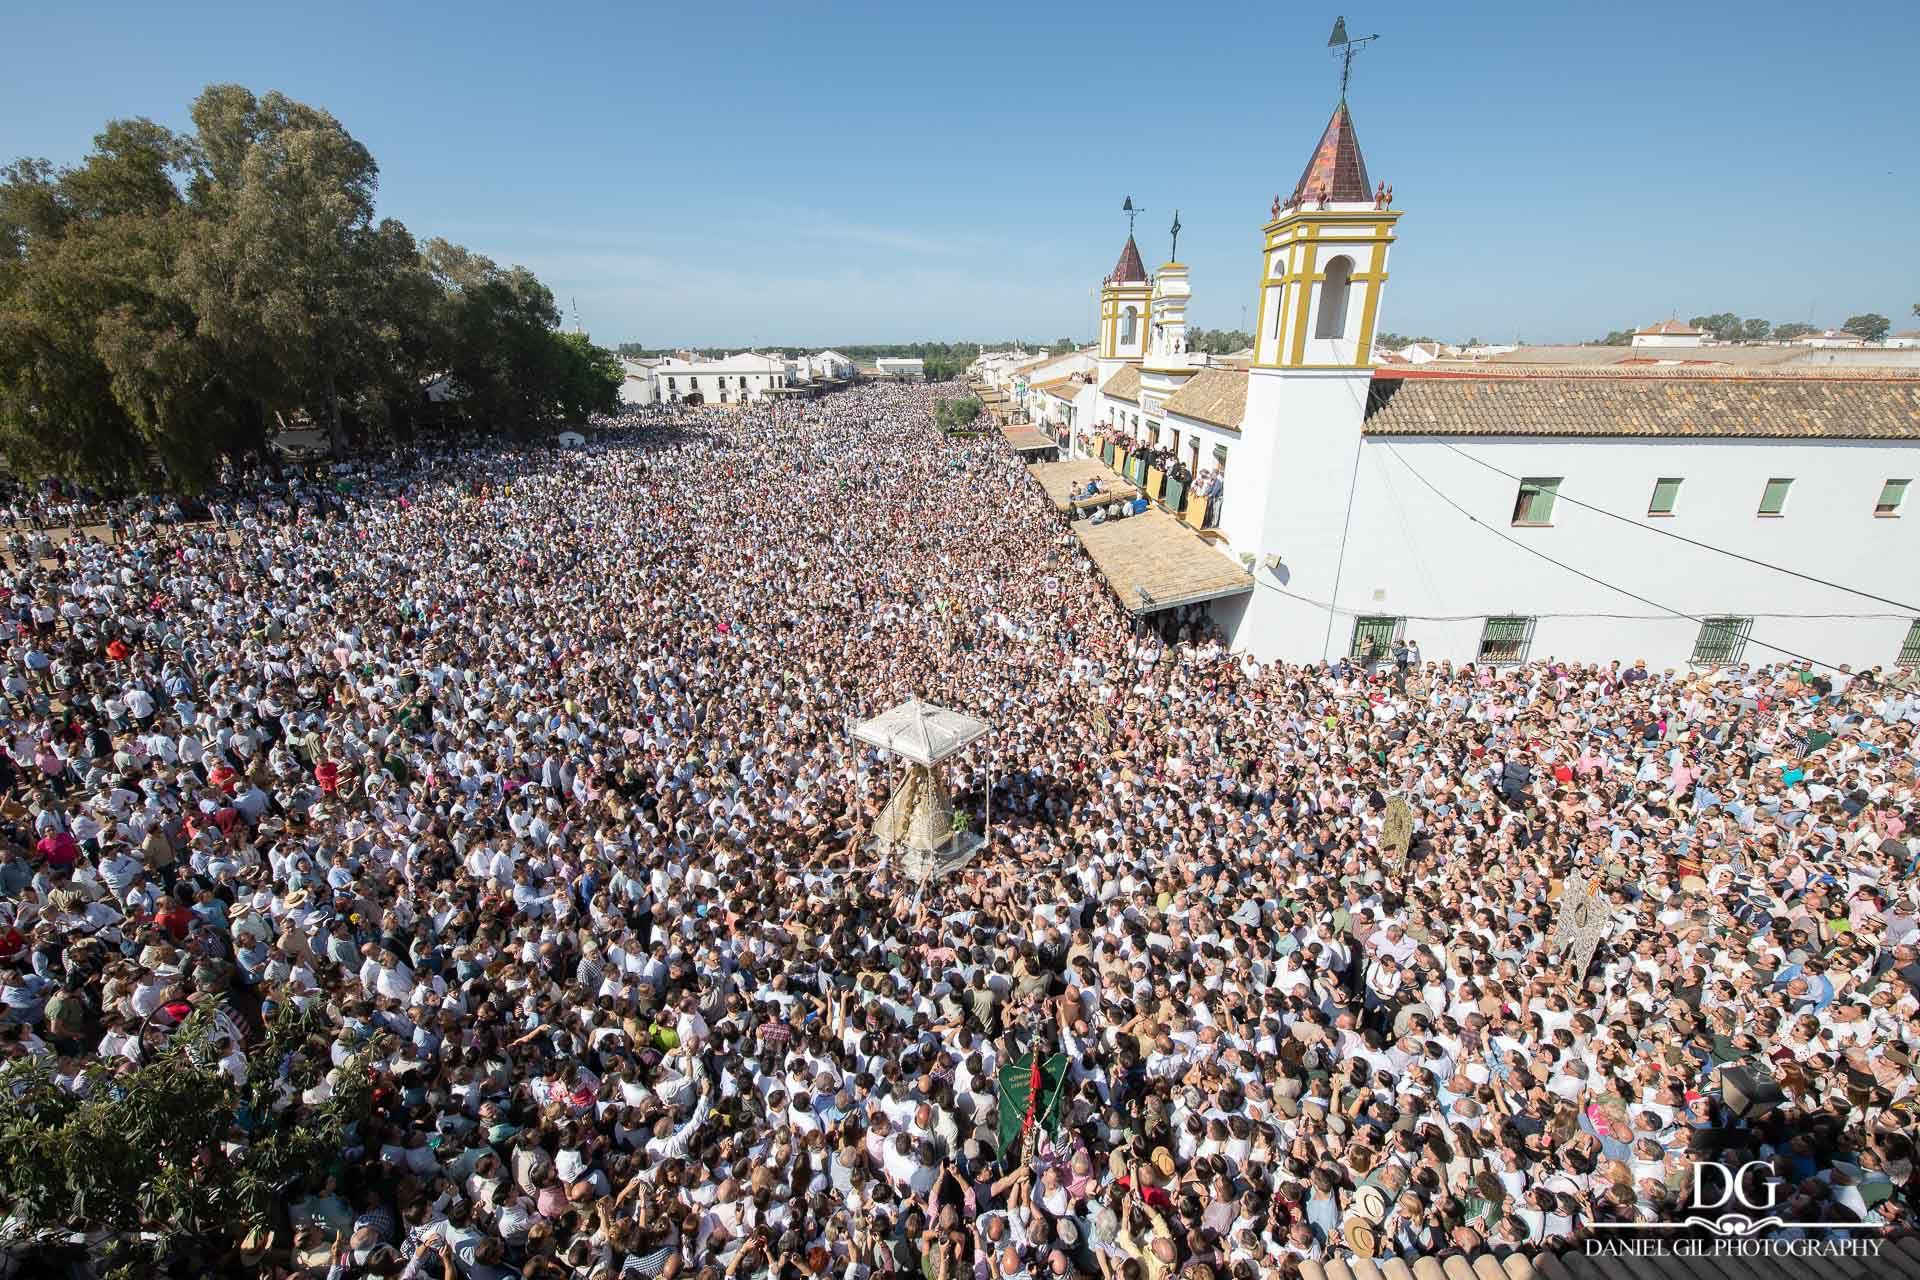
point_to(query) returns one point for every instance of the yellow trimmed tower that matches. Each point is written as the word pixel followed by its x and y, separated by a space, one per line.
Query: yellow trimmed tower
pixel 1125 310
pixel 1325 261
pixel 1323 271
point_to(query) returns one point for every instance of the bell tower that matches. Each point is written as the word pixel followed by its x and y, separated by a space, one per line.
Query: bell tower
pixel 1125 306
pixel 1323 272
pixel 1325 260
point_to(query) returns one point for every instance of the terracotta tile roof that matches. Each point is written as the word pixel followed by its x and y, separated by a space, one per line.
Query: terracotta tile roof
pixel 1124 385
pixel 1672 328
pixel 1155 553
pixel 1024 436
pixel 1621 405
pixel 1129 268
pixel 1060 388
pixel 1336 166
pixel 1218 396
pixel 1899 1256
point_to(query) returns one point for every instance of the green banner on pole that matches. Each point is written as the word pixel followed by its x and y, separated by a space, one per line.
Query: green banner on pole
pixel 1017 1101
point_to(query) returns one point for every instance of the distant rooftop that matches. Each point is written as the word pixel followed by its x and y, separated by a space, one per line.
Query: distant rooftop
pixel 1671 329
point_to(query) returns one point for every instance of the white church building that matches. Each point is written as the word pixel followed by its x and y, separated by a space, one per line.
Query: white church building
pixel 1498 512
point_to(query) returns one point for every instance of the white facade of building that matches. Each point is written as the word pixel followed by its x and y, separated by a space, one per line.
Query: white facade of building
pixel 901 366
pixel 830 365
pixel 1405 549
pixel 638 387
pixel 1830 338
pixel 1668 333
pixel 1499 512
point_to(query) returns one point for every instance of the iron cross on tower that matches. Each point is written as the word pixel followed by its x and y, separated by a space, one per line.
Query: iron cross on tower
pixel 1176 237
pixel 1347 49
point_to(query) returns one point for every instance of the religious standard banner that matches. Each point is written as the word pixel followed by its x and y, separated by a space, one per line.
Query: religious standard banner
pixel 1030 1094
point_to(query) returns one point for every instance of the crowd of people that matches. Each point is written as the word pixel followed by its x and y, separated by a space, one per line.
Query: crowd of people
pixel 529 775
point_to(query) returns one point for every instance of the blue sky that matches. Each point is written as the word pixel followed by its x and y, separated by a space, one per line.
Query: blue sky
pixel 724 174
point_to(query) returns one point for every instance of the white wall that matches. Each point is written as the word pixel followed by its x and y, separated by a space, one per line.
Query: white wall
pixel 1666 339
pixel 1409 554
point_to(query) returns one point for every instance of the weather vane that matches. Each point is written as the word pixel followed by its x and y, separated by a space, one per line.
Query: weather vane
pixel 1131 213
pixel 1347 48
pixel 1176 236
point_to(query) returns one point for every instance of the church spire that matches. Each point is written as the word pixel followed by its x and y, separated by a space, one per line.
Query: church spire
pixel 1129 269
pixel 1336 172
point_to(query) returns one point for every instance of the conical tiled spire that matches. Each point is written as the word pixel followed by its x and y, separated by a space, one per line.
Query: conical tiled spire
pixel 1129 268
pixel 1336 172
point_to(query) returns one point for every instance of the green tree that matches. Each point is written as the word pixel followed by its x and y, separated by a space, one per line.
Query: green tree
pixel 1788 332
pixel 83 307
pixel 956 414
pixel 286 272
pixel 1396 341
pixel 173 298
pixel 1755 330
pixel 1618 338
pixel 146 1150
pixel 1871 326
pixel 588 379
pixel 1723 326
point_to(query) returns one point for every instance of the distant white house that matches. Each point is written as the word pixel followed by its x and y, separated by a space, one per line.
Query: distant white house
pixel 901 366
pixel 1422 352
pixel 735 379
pixel 1906 340
pixel 637 384
pixel 1668 333
pixel 1830 338
pixel 830 364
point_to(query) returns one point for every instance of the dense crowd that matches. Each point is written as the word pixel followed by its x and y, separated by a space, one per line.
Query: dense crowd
pixel 528 773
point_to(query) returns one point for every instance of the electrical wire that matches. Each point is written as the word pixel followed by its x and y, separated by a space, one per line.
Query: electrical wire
pixel 1563 496
pixel 1581 573
pixel 1591 615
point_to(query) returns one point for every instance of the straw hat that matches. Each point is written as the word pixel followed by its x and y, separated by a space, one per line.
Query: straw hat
pixel 1370 1204
pixel 1361 1237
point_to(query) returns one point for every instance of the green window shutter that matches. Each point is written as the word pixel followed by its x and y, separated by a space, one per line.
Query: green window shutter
pixel 1380 630
pixel 1910 647
pixel 1892 494
pixel 1666 493
pixel 1535 503
pixel 1774 500
pixel 1506 639
pixel 1721 640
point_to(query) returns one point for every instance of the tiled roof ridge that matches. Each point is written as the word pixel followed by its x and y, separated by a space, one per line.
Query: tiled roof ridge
pixel 1642 373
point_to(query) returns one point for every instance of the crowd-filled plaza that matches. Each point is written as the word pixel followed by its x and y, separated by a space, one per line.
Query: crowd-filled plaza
pixel 527 773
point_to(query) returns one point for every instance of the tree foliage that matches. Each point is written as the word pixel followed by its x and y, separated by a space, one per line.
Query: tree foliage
pixel 177 297
pixel 1871 326
pixel 1788 332
pixel 153 1150
pixel 1218 342
pixel 944 368
pixel 1723 326
pixel 956 414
